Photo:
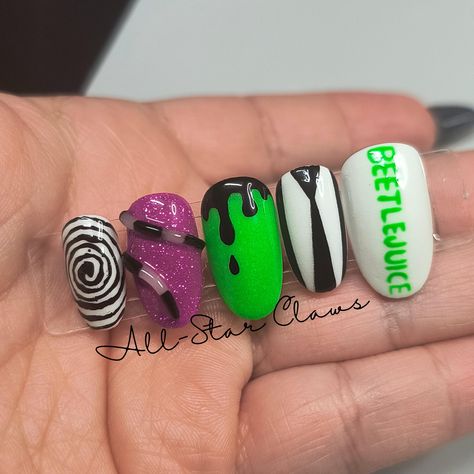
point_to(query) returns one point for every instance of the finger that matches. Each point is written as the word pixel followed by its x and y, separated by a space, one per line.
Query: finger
pixel 52 395
pixel 264 136
pixel 135 149
pixel 443 309
pixel 176 410
pixel 358 416
pixel 451 182
pixel 34 166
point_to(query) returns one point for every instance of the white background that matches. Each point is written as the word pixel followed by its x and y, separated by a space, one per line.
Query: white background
pixel 168 48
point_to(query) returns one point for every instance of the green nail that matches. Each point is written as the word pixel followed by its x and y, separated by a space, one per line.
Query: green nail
pixel 243 245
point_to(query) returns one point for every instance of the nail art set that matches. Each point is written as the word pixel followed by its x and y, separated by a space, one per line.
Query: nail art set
pixel 383 204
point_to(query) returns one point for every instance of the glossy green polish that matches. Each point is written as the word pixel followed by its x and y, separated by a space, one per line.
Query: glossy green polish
pixel 243 245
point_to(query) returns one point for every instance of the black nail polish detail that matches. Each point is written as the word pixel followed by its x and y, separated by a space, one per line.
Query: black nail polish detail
pixel 154 231
pixel 131 264
pixel 290 253
pixel 453 122
pixel 147 229
pixel 307 177
pixel 311 194
pixel 233 265
pixel 134 267
pixel 194 241
pixel 94 269
pixel 217 197
pixel 170 303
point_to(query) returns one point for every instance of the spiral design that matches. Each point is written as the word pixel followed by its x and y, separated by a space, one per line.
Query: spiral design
pixel 95 270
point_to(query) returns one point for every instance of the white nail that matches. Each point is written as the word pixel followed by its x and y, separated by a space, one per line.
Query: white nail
pixel 312 226
pixel 388 217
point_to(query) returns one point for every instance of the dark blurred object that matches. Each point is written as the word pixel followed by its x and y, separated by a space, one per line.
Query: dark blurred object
pixel 453 123
pixel 51 46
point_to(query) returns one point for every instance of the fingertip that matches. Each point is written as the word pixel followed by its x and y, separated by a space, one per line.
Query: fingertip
pixel 382 117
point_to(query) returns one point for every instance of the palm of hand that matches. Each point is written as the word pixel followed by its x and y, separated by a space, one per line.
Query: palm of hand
pixel 257 402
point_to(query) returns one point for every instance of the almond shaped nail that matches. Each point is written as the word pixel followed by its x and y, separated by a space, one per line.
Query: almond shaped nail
pixel 312 226
pixel 94 269
pixel 164 254
pixel 243 245
pixel 388 217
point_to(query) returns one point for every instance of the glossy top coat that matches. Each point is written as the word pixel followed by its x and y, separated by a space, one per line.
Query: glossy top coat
pixel 94 269
pixel 243 245
pixel 312 226
pixel 173 268
pixel 388 215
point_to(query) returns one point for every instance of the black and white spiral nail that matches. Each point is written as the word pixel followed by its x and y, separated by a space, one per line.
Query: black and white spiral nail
pixel 95 270
pixel 312 226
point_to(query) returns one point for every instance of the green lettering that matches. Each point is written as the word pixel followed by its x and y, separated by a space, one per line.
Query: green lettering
pixel 381 153
pixel 389 257
pixel 395 198
pixel 389 210
pixel 393 275
pixel 385 182
pixel 390 268
pixel 393 227
pixel 384 169
pixel 404 286
pixel 391 242
pixel 384 172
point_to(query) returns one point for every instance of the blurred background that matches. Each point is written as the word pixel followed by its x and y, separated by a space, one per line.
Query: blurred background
pixel 152 49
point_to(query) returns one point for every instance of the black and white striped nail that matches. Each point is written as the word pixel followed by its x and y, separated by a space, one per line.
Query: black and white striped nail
pixel 95 270
pixel 312 226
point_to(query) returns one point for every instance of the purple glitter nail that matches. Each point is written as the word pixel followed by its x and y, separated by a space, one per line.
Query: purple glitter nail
pixel 178 265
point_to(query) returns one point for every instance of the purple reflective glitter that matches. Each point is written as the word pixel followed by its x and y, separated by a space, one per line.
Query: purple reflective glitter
pixel 178 264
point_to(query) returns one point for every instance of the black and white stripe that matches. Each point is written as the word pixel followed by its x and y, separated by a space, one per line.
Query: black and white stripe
pixel 154 231
pixel 95 270
pixel 312 226
pixel 148 274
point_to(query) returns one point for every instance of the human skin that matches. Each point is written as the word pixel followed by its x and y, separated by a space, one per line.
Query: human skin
pixel 347 394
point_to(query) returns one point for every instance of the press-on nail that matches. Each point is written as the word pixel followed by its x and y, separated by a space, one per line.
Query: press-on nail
pixel 312 226
pixel 94 269
pixel 453 122
pixel 388 217
pixel 243 245
pixel 164 255
pixel 147 273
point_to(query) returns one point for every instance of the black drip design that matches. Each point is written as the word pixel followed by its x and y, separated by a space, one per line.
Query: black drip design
pixel 233 265
pixel 324 280
pixel 217 197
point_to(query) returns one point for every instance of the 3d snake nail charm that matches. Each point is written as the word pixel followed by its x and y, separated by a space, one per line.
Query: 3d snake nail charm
pixel 388 213
pixel 94 269
pixel 312 226
pixel 243 245
pixel 164 255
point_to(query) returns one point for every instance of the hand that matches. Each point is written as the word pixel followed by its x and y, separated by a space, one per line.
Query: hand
pixel 351 393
